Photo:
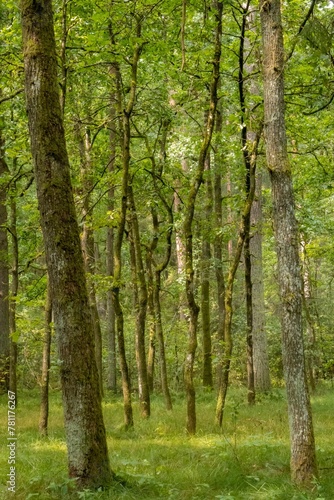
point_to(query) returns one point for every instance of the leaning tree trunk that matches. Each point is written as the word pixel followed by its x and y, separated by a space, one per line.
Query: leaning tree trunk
pixel 303 459
pixel 88 459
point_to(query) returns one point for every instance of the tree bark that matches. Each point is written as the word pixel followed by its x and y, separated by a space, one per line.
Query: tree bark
pixel 187 227
pixel 44 407
pixel 88 246
pixel 227 327
pixel 88 459
pixel 4 275
pixel 245 140
pixel 13 294
pixel 110 243
pixel 140 308
pixel 260 348
pixel 218 244
pixel 303 459
pixel 205 283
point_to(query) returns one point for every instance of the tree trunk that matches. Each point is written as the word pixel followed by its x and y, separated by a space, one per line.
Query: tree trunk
pixel 303 459
pixel 227 330
pixel 205 283
pixel 157 172
pixel 4 276
pixel 218 244
pixel 245 140
pixel 151 321
pixel 187 227
pixel 13 294
pixel 111 317
pixel 310 324
pixel 88 246
pixel 88 459
pixel 260 348
pixel 140 308
pixel 44 407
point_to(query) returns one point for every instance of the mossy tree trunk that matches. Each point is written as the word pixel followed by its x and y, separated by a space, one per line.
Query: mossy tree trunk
pixel 125 133
pixel 188 223
pixel 245 141
pixel 205 282
pixel 303 459
pixel 110 239
pixel 4 274
pixel 88 459
pixel 140 308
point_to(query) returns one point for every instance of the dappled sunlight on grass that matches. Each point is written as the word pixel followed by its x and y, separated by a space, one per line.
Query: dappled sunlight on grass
pixel 248 459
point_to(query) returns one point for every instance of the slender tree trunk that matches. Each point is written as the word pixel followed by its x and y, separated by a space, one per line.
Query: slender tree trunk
pixel 303 459
pixel 218 244
pixel 88 248
pixel 88 459
pixel 227 331
pixel 141 307
pixel 310 325
pixel 151 321
pixel 245 139
pixel 4 276
pixel 260 348
pixel 157 172
pixel 160 337
pixel 187 227
pixel 13 294
pixel 111 317
pixel 44 407
pixel 205 283
pixel 125 133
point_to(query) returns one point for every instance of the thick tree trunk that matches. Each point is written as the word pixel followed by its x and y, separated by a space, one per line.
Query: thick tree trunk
pixel 303 460
pixel 88 459
pixel 4 277
pixel 44 407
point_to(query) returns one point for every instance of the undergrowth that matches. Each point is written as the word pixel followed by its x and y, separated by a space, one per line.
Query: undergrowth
pixel 248 459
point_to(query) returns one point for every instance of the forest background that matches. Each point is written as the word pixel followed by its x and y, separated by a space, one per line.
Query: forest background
pixel 154 59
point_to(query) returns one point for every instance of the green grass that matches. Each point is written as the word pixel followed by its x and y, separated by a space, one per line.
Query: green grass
pixel 248 460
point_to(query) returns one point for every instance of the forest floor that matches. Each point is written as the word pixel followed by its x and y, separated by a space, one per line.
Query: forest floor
pixel 248 459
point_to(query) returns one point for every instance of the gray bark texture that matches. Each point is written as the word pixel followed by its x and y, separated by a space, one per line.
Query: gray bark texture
pixel 303 460
pixel 85 432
